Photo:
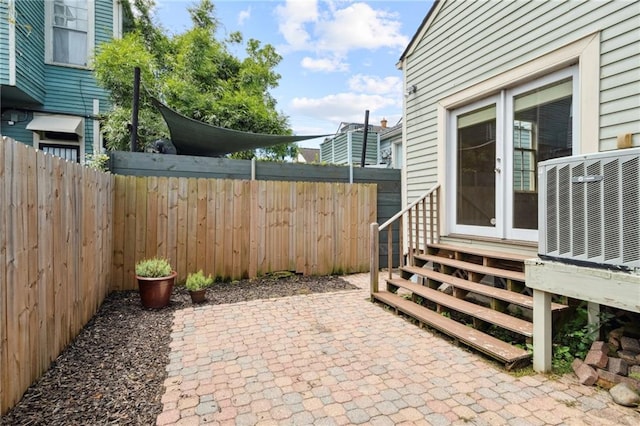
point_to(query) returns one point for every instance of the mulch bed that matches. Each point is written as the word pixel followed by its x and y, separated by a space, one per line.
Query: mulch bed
pixel 113 372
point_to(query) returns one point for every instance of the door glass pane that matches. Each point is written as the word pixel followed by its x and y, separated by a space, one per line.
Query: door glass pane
pixel 476 178
pixel 541 130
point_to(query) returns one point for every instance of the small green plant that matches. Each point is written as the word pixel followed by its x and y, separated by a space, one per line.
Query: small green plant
pixel 153 268
pixel 99 162
pixel 575 338
pixel 197 281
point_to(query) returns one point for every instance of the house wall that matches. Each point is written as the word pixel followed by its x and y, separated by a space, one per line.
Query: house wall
pixel 340 153
pixel 4 43
pixel 470 42
pixel 59 89
pixel 387 141
pixel 29 31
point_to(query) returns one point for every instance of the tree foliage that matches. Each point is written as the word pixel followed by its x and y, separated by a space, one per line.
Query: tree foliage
pixel 195 74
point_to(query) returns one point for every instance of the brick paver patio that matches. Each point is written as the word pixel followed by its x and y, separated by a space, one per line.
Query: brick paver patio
pixel 337 359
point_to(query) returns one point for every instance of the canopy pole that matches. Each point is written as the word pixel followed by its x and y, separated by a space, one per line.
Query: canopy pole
pixel 134 109
pixel 364 138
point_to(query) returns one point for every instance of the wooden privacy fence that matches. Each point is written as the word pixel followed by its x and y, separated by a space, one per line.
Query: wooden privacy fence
pixel 69 235
pixel 387 180
pixel 237 228
pixel 55 259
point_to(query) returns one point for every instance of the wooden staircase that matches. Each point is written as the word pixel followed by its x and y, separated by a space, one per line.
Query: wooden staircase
pixel 477 297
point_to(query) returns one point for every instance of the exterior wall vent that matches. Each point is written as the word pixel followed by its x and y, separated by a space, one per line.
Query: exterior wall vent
pixel 590 209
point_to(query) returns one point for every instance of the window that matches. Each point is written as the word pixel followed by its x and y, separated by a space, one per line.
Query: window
pixel 59 135
pixel 69 32
pixel 68 152
pixel 496 144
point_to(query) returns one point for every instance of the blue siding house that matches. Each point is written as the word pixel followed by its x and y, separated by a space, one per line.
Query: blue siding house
pixel 49 96
pixel 384 145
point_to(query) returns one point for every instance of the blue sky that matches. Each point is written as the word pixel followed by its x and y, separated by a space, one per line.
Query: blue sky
pixel 339 57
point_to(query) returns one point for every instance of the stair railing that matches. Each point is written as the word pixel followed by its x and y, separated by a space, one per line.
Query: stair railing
pixel 422 223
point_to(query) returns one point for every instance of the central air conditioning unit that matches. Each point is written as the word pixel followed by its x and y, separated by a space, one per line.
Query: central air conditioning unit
pixel 589 210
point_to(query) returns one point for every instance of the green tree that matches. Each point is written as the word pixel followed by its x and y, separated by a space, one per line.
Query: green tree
pixel 195 74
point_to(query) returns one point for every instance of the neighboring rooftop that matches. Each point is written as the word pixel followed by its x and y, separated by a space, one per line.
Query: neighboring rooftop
pixel 308 155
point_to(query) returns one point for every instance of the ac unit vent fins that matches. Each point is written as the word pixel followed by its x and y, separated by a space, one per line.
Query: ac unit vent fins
pixel 590 208
pixel 552 209
pixel 578 213
pixel 630 218
pixel 594 214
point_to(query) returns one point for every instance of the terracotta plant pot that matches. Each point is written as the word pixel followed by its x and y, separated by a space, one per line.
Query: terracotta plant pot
pixel 156 292
pixel 198 296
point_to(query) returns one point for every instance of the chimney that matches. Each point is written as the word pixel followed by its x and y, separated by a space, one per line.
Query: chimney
pixel 383 123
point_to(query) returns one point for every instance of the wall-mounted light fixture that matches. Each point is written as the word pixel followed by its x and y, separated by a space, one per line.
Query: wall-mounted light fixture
pixel 12 116
pixel 411 89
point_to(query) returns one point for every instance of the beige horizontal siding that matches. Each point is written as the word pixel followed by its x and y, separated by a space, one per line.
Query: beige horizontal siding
pixel 469 42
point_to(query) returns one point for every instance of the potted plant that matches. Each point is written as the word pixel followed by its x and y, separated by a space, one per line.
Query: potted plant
pixel 155 282
pixel 197 285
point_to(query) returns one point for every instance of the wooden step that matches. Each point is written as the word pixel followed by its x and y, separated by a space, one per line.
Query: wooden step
pixel 471 337
pixel 474 267
pixel 477 288
pixel 515 257
pixel 488 315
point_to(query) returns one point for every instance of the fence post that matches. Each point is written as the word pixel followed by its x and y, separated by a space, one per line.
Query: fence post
pixel 373 260
pixel 253 168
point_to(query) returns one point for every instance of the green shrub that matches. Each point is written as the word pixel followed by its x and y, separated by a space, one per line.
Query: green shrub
pixel 99 162
pixel 153 268
pixel 575 337
pixel 197 281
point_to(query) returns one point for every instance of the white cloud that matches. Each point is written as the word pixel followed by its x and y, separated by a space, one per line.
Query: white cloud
pixel 292 20
pixel 342 106
pixel 324 64
pixel 244 15
pixel 338 30
pixel 359 26
pixel 375 84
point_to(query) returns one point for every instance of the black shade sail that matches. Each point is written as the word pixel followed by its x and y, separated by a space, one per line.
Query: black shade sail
pixel 193 137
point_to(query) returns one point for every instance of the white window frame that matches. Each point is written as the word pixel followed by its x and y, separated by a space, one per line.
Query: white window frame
pixel 504 156
pixel 585 52
pixel 117 19
pixel 572 72
pixel 452 160
pixel 48 35
pixel 396 155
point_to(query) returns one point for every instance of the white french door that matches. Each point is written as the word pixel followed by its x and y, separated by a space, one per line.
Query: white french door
pixel 494 147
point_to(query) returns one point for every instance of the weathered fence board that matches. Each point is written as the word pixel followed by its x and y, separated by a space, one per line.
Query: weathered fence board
pixel 54 241
pixel 238 228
